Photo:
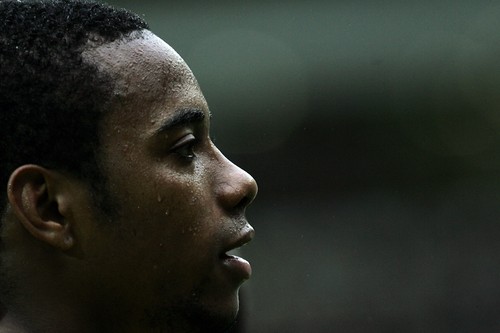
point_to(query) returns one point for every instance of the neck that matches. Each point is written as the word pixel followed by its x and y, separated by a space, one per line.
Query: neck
pixel 43 317
pixel 10 324
pixel 54 316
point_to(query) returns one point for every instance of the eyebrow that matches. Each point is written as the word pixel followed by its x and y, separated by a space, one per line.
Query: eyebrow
pixel 181 118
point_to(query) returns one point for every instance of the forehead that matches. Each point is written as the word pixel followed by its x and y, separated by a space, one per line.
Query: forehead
pixel 143 68
pixel 150 78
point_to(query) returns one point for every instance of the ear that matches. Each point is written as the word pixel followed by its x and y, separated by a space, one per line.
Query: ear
pixel 37 198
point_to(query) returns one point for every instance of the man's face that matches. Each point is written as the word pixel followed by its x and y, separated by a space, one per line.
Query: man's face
pixel 180 202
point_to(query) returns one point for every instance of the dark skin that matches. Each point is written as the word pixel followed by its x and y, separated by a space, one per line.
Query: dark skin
pixel 160 262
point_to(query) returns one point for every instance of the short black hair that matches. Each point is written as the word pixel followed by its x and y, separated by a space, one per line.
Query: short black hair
pixel 51 100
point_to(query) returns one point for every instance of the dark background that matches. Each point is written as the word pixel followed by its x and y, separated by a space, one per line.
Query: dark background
pixel 373 130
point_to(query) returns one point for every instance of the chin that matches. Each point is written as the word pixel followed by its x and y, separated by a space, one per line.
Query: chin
pixel 196 315
pixel 215 316
pixel 210 321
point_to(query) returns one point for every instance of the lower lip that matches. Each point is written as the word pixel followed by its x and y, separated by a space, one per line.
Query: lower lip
pixel 238 267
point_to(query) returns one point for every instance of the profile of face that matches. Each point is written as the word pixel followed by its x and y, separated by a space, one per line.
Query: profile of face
pixel 179 204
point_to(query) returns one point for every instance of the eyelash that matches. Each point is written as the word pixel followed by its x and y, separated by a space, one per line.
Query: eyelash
pixel 184 148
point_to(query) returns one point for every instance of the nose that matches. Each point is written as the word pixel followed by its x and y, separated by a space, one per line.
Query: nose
pixel 235 188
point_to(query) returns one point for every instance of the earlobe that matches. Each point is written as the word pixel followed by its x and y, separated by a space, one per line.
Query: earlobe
pixel 35 195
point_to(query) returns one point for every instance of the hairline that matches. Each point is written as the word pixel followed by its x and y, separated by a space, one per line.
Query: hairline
pixel 100 192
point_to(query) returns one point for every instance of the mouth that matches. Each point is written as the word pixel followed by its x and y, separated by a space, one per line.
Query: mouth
pixel 238 267
pixel 232 249
pixel 232 253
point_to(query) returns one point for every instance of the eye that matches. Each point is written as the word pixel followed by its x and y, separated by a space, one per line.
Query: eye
pixel 184 148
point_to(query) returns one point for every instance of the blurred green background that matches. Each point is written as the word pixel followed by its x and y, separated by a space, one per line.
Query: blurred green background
pixel 373 130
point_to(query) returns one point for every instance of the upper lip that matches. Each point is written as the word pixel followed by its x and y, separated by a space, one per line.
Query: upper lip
pixel 244 238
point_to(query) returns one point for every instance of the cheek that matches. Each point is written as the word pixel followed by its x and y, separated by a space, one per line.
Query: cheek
pixel 180 206
pixel 188 210
pixel 166 206
pixel 183 192
pixel 175 192
pixel 185 231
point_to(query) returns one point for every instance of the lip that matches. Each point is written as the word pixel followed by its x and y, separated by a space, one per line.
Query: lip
pixel 239 268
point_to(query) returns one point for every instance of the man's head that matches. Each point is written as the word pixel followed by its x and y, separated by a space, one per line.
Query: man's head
pixel 103 108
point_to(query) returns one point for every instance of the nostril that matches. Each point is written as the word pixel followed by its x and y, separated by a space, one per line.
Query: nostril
pixel 250 192
pixel 244 202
